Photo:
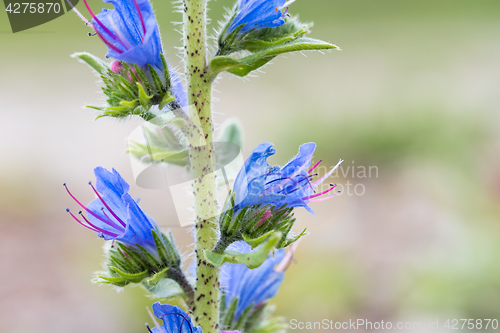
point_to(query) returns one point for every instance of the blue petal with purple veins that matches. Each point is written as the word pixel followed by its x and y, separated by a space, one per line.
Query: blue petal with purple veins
pixel 175 320
pixel 124 28
pixel 115 215
pixel 251 286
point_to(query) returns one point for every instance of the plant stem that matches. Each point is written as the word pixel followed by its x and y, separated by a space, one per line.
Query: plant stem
pixel 199 89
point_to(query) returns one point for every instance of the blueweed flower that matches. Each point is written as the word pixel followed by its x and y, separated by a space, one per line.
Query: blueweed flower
pixel 175 320
pixel 115 215
pixel 257 14
pixel 254 286
pixel 130 31
pixel 292 185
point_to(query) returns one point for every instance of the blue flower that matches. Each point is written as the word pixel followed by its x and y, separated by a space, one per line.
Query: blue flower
pixel 115 215
pixel 175 320
pixel 259 183
pixel 130 31
pixel 257 14
pixel 252 286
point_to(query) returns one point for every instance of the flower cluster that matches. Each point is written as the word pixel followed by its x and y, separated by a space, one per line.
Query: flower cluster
pixel 140 77
pixel 140 250
pixel 248 248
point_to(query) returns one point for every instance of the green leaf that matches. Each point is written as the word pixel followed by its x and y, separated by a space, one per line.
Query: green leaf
pixel 100 66
pixel 251 260
pixel 165 288
pixel 243 66
pixel 232 132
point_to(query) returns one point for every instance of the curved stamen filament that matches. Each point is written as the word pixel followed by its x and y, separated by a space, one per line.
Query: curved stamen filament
pixel 77 220
pixel 314 166
pixel 327 174
pixel 104 212
pixel 96 227
pixel 106 205
pixel 325 198
pixel 111 34
pixel 319 194
pixel 86 209
pixel 108 44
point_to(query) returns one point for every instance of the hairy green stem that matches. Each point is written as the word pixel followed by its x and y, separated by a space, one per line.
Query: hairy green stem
pixel 178 276
pixel 199 89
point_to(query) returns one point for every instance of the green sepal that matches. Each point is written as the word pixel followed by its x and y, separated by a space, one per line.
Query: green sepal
pixel 116 281
pixel 165 288
pixel 228 315
pixel 240 324
pixel 151 260
pixel 251 260
pixel 254 318
pixel 134 278
pixel 242 67
pixel 166 100
pixel 143 97
pixel 254 242
pixel 157 277
pixel 97 64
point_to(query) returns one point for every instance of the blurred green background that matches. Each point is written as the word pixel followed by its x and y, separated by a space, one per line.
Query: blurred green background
pixel 415 92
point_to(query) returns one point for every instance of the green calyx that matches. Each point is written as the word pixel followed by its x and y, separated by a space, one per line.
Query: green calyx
pixel 136 264
pixel 131 89
pixel 254 224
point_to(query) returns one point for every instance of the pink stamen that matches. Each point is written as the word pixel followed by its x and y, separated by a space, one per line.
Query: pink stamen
pixel 105 29
pixel 314 166
pixel 77 220
pixel 111 46
pixel 323 199
pixel 96 227
pixel 110 220
pixel 84 207
pixel 140 16
pixel 327 174
pixel 98 21
pixel 106 205
pixel 319 194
